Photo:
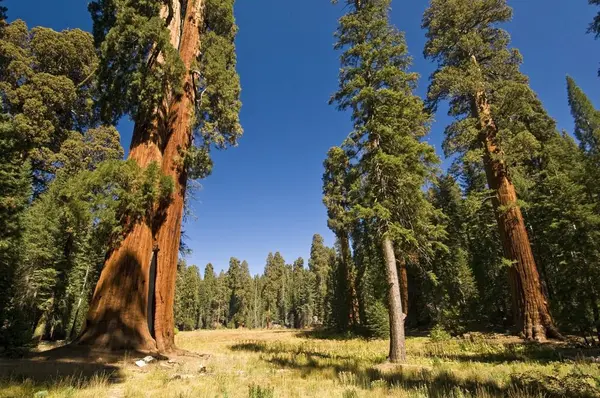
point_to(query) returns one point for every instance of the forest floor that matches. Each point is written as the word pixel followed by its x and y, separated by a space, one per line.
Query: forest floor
pixel 284 363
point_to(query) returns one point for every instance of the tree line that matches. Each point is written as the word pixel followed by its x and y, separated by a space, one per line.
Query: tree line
pixel 292 295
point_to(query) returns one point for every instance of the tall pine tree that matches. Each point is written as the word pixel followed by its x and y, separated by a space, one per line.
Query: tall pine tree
pixel 386 144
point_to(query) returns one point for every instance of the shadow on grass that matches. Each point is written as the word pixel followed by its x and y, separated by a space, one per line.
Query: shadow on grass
pixel 67 366
pixel 433 382
pixel 541 353
pixel 327 334
pixel 279 348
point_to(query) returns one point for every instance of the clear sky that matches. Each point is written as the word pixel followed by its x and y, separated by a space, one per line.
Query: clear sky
pixel 265 195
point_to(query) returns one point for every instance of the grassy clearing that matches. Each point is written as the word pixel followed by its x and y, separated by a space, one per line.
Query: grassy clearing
pixel 265 364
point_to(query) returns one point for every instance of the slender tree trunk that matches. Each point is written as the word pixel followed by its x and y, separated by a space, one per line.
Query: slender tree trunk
pixel 118 316
pixel 397 339
pixel 532 315
pixel 169 233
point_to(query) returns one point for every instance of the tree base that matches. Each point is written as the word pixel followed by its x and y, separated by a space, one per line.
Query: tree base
pixel 117 338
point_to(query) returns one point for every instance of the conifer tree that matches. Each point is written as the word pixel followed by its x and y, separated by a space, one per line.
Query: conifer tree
pixel 187 298
pixel 319 265
pixel 15 188
pixel 210 304
pixel 257 306
pixel 302 295
pixel 336 191
pixel 222 299
pixel 565 221
pixel 453 291
pixel 272 283
pixel 477 73
pixel 389 123
pixel 239 281
pixel 587 119
pixel 183 101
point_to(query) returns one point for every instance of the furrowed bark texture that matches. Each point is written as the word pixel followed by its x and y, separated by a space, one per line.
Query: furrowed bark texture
pixel 397 339
pixel 118 317
pixel 169 233
pixel 532 315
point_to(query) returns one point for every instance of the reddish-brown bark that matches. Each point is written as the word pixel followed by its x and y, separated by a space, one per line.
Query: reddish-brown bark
pixel 120 314
pixel 169 233
pixel 532 315
pixel 117 317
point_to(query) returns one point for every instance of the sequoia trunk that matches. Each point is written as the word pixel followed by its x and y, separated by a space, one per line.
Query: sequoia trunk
pixel 532 315
pixel 397 339
pixel 118 315
pixel 180 138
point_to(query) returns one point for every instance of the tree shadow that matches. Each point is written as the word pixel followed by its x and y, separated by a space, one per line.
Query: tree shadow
pixel 77 366
pixel 435 382
pixel 279 348
pixel 541 353
pixel 118 318
pixel 327 334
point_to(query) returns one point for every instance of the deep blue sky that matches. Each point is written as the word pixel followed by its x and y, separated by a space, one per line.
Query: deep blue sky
pixel 265 195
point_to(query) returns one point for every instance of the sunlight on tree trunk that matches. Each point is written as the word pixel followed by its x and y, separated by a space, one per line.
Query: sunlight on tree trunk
pixel 532 315
pixel 397 338
pixel 117 317
pixel 169 233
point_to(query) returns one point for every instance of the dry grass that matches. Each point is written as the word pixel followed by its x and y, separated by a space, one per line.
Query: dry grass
pixel 281 363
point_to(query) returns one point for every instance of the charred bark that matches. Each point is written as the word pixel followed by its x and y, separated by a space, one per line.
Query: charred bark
pixel 397 338
pixel 532 315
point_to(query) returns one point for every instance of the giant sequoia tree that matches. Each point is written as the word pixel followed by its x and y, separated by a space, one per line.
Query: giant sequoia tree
pixel 385 147
pixel 183 101
pixel 501 124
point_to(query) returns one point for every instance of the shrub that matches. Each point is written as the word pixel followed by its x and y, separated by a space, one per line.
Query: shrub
pixel 378 321
pixel 438 333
